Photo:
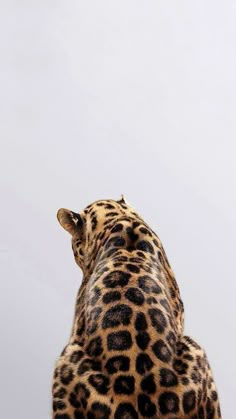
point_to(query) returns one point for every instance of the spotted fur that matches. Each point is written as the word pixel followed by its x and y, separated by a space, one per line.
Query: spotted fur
pixel 127 357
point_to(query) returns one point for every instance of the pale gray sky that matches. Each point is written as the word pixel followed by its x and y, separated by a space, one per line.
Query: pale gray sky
pixel 100 98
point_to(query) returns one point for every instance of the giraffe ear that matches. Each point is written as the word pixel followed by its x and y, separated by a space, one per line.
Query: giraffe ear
pixel 69 220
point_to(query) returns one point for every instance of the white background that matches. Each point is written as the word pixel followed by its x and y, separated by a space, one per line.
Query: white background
pixel 100 98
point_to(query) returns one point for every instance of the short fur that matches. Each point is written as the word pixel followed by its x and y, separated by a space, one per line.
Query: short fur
pixel 127 356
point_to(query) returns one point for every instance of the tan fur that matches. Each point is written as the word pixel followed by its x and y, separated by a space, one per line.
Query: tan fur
pixel 128 307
